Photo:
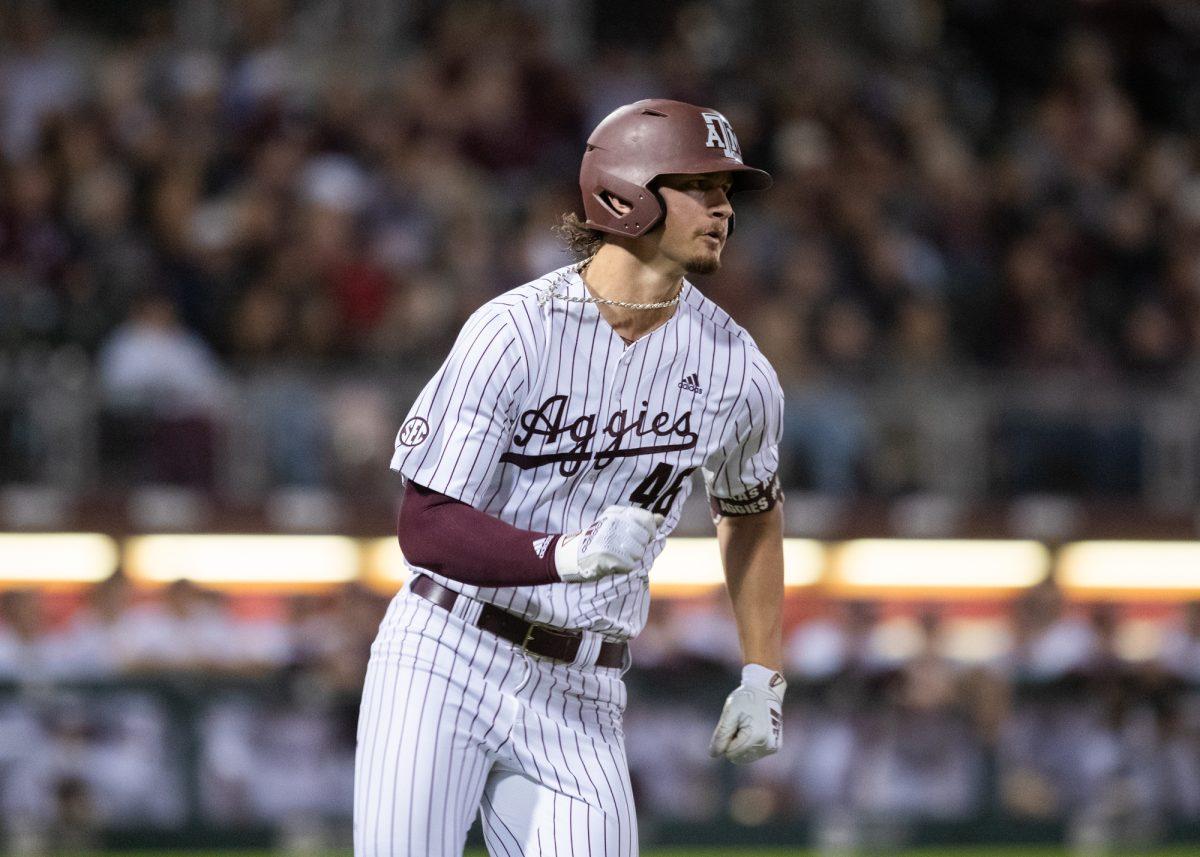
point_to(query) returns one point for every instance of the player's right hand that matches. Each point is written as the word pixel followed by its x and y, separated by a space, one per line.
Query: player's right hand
pixel 614 544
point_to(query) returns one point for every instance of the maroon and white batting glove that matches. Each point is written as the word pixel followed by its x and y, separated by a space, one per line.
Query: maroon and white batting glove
pixel 614 544
pixel 751 724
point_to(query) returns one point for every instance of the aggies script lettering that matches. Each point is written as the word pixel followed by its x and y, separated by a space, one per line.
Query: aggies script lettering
pixel 549 421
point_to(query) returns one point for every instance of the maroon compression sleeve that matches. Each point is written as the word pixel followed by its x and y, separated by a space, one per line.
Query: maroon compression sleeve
pixel 458 541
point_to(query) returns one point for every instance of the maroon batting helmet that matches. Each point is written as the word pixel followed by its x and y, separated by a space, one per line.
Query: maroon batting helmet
pixel 654 137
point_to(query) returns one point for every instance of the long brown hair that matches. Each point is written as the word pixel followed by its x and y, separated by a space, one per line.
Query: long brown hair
pixel 583 240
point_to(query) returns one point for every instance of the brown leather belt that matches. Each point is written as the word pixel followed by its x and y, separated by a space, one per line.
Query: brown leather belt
pixel 536 639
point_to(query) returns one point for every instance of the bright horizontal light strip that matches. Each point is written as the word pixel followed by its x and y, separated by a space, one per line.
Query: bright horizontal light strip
pixel 697 562
pixel 384 562
pixel 683 562
pixel 803 562
pixel 929 564
pixel 688 562
pixel 243 559
pixel 56 557
pixel 1130 565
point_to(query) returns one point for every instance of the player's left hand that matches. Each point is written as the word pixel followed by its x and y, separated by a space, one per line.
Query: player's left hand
pixel 751 724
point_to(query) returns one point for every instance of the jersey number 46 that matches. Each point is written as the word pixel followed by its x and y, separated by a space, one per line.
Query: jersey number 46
pixel 658 490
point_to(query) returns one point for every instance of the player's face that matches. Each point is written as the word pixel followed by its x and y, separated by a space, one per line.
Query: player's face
pixel 697 220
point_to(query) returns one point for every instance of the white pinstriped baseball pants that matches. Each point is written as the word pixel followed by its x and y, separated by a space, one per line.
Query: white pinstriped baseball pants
pixel 455 720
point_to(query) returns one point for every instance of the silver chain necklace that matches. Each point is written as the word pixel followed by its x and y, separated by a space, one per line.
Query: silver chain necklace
pixel 550 294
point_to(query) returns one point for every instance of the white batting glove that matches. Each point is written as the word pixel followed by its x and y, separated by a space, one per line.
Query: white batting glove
pixel 614 544
pixel 751 724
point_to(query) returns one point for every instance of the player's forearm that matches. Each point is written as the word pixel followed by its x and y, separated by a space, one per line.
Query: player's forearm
pixel 752 553
pixel 455 540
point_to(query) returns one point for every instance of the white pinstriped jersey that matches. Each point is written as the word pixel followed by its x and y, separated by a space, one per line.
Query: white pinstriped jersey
pixel 542 416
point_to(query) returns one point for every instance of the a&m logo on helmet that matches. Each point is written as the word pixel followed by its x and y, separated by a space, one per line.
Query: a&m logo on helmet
pixel 721 136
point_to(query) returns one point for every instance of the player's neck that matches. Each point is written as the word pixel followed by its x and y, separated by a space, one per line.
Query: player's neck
pixel 616 273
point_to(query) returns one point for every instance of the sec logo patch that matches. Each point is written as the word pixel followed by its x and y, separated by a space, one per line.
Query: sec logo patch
pixel 413 432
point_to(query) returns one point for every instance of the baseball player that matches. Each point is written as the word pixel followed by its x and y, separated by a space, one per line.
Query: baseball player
pixel 544 465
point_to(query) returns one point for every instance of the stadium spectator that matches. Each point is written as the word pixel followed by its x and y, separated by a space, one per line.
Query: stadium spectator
pixel 27 650
pixel 1051 641
pixel 164 393
pixel 844 641
pixel 96 640
pixel 1180 650
pixel 187 630
pixel 41 75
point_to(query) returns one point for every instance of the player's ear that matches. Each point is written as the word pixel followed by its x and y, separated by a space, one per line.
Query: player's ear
pixel 619 206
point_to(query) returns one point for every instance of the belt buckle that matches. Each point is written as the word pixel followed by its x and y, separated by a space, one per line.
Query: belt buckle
pixel 533 626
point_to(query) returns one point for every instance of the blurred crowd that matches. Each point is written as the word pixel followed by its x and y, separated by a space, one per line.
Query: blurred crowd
pixel 235 237
pixel 157 708
pixel 1085 715
pixel 965 191
pixel 120 631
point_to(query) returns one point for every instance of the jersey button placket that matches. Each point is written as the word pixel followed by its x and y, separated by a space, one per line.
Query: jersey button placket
pixel 589 470
pixel 612 399
pixel 610 396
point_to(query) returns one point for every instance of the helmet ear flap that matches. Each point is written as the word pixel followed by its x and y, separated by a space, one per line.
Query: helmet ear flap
pixel 645 207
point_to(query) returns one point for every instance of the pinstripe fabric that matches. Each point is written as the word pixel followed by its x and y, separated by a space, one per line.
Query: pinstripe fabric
pixel 516 354
pixel 455 720
pixel 542 417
